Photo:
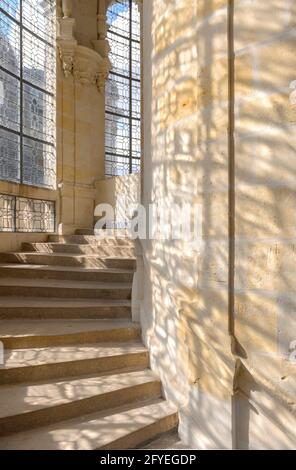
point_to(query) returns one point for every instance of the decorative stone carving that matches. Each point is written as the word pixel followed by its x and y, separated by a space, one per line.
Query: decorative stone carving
pixel 88 66
pixel 103 74
pixel 67 52
pixel 66 44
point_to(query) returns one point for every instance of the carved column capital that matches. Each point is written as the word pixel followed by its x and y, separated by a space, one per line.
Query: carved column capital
pixel 90 68
pixel 66 44
pixel 103 74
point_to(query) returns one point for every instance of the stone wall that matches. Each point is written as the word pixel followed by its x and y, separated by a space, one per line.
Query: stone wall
pixel 264 41
pixel 219 133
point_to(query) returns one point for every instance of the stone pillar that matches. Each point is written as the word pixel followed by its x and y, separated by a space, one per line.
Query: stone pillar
pixel 82 72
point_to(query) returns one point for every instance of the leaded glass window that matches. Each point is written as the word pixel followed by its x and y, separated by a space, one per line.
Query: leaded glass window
pixel 123 90
pixel 27 92
pixel 22 214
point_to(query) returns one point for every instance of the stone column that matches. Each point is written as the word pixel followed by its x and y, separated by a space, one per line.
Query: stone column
pixel 82 72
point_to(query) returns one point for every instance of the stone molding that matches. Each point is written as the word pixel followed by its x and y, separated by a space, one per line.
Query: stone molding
pixel 87 66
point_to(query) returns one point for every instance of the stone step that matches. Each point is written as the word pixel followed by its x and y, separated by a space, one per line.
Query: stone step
pixel 27 406
pixel 124 428
pixel 85 231
pixel 40 364
pixel 58 259
pixel 168 441
pixel 32 271
pixel 45 333
pixel 92 240
pixel 104 234
pixel 104 251
pixel 64 289
pixel 34 308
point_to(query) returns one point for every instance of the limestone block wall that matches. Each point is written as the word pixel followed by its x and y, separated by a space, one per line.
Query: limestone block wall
pixel 264 41
pixel 219 132
pixel 120 192
pixel 185 309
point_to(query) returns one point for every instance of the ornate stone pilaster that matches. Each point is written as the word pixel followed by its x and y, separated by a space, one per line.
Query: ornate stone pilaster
pixel 66 44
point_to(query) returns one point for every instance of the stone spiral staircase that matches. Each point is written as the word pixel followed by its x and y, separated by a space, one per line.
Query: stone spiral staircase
pixel 75 375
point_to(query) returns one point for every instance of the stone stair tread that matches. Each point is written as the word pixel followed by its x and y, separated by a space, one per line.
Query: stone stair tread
pixel 47 327
pixel 93 431
pixel 23 398
pixel 92 244
pixel 71 284
pixel 55 302
pixel 89 239
pixel 42 356
pixel 62 255
pixel 43 267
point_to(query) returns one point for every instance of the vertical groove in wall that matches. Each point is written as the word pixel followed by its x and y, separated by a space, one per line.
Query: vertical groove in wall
pixel 231 169
pixel 75 148
pixel 141 6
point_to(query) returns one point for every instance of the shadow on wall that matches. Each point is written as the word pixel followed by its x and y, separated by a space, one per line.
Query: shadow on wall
pixel 185 310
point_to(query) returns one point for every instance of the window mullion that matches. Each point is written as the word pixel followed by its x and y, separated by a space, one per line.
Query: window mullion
pixel 131 86
pixel 21 93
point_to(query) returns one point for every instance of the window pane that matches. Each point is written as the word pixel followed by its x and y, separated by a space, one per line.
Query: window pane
pixel 12 7
pixel 117 95
pixel 136 138
pixel 38 114
pixel 136 101
pixel 34 31
pixel 9 101
pixel 118 17
pixel 136 165
pixel 136 22
pixel 136 60
pixel 9 156
pixel 39 163
pixel 116 166
pixel 34 215
pixel 38 62
pixel 39 17
pixel 117 135
pixel 123 90
pixel 7 208
pixel 119 54
pixel 9 44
